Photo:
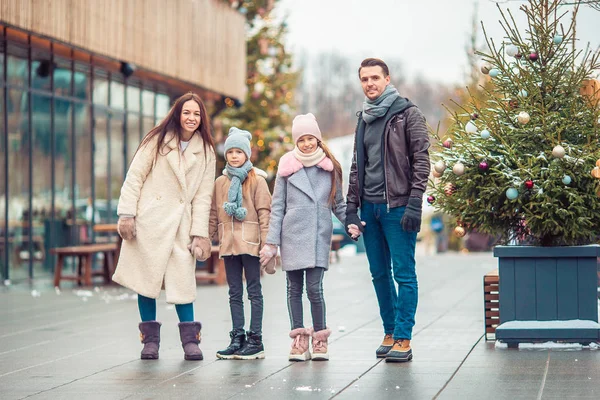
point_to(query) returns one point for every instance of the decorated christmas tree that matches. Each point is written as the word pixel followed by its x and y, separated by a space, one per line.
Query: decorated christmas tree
pixel 523 161
pixel 268 107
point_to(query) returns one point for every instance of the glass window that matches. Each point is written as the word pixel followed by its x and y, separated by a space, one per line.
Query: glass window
pixel 16 73
pixel 163 104
pixel 133 135
pixel 101 161
pixel 133 98
pixel 100 88
pixel 42 178
pixel 1 66
pixel 62 78
pixel 117 162
pixel 4 251
pixel 148 124
pixel 82 81
pixel 63 169
pixel 117 95
pixel 18 185
pixel 148 103
pixel 83 163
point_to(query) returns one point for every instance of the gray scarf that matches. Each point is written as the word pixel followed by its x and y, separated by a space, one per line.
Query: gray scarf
pixel 373 109
pixel 233 205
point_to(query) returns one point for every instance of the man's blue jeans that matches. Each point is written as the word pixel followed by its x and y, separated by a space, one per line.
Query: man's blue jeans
pixel 391 250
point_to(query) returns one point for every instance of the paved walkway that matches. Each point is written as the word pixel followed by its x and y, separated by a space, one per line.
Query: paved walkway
pixel 85 345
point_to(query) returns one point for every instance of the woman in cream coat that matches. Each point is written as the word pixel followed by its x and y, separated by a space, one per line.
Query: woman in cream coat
pixel 164 210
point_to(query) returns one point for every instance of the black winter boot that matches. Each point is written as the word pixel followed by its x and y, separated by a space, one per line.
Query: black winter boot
pixel 150 336
pixel 253 348
pixel 238 339
pixel 190 337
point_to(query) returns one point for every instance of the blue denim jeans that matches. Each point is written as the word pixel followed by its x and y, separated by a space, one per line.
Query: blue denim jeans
pixel 391 255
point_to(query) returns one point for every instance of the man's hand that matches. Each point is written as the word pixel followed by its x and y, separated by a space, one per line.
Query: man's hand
pixel 411 220
pixel 267 253
pixel 126 228
pixel 353 220
pixel 200 248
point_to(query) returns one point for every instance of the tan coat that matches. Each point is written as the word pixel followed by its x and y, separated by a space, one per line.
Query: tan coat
pixel 171 203
pixel 241 237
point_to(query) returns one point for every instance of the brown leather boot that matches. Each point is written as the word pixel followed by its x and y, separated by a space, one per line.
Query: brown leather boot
pixel 190 337
pixel 400 352
pixel 385 347
pixel 150 336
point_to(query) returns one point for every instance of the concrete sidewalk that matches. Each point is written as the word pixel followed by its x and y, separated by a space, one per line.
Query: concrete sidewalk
pixel 85 345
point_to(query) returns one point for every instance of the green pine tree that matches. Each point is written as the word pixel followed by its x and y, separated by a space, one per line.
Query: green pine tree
pixel 522 160
pixel 268 107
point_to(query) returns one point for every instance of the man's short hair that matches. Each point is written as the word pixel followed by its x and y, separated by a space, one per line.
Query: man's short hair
pixel 373 62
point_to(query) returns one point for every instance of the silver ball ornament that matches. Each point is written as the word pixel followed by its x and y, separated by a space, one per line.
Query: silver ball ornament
pixel 440 166
pixel 458 169
pixel 558 151
pixel 523 118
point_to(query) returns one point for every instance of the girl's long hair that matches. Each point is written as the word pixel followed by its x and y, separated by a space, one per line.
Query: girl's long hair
pixel 336 175
pixel 172 123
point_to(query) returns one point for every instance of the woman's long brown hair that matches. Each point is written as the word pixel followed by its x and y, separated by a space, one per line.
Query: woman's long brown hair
pixel 336 176
pixel 172 123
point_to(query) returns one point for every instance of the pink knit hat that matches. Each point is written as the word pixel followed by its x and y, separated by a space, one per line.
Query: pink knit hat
pixel 305 124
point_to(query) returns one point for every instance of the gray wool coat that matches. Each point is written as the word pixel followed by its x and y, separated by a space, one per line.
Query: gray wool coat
pixel 301 218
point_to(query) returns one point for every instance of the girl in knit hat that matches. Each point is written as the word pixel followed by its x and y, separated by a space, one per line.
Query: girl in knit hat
pixel 240 213
pixel 308 188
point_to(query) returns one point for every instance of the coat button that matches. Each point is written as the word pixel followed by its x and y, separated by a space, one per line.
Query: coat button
pixel 181 201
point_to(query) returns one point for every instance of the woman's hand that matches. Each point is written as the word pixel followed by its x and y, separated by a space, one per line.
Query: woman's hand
pixel 200 248
pixel 126 228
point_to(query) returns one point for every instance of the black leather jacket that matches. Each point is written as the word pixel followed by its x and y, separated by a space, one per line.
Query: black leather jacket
pixel 406 159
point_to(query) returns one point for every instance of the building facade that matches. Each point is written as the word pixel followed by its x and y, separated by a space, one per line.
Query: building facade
pixel 81 82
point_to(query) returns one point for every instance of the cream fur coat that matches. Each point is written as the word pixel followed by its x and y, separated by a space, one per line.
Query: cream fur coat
pixel 170 197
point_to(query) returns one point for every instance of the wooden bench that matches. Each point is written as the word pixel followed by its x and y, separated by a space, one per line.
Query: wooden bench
pixel 491 303
pixel 215 269
pixel 85 255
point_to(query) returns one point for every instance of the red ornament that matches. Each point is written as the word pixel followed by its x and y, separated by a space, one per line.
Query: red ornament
pixel 529 184
pixel 474 116
pixel 430 199
pixel 447 143
pixel 484 166
pixel 518 55
pixel 449 189
pixel 533 57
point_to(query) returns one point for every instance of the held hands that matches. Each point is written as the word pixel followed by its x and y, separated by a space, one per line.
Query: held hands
pixel 354 226
pixel 411 220
pixel 200 248
pixel 267 257
pixel 126 228
pixel 354 231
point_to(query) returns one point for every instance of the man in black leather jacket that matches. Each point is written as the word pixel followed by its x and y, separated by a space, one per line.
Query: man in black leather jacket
pixel 388 178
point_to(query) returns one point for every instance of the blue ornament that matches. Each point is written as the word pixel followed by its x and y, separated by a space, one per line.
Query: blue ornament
pixel 566 180
pixel 512 193
pixel 494 72
pixel 243 10
pixel 557 39
pixel 485 134
pixel 523 93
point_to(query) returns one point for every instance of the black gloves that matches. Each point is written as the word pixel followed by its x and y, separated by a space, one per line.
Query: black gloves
pixel 352 218
pixel 411 221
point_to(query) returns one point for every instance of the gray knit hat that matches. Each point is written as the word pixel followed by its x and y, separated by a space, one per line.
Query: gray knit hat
pixel 238 139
